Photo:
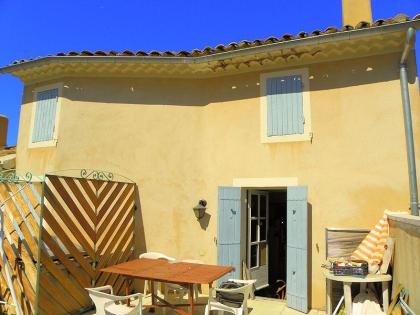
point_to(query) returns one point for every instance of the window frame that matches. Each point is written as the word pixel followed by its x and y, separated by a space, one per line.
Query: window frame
pixel 47 143
pixel 307 127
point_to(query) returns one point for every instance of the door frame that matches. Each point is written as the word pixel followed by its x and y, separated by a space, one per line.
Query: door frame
pixel 260 270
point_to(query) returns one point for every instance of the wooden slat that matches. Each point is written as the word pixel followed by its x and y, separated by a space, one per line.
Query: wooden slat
pixel 103 210
pixel 113 242
pixel 24 211
pixel 54 303
pixel 124 247
pixel 29 287
pixel 19 289
pixel 67 242
pixel 75 231
pixel 119 285
pixel 4 292
pixel 105 191
pixel 71 286
pixel 111 211
pixel 111 250
pixel 74 208
pixel 104 277
pixel 97 184
pixel 82 278
pixel 89 192
pixel 102 240
pixel 81 198
pixel 23 228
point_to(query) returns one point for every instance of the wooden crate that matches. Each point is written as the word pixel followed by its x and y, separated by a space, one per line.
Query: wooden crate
pixel 341 242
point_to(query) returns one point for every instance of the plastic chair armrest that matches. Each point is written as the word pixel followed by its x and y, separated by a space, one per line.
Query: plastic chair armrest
pixel 101 289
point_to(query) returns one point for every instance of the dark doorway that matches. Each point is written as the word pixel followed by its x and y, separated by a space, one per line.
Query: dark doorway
pixel 277 236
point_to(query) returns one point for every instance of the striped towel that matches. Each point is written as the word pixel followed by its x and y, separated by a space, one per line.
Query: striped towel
pixel 372 247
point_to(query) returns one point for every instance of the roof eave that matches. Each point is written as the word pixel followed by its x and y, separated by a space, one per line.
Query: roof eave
pixel 294 43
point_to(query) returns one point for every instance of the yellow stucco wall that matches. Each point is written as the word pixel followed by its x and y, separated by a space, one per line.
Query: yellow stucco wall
pixel 181 139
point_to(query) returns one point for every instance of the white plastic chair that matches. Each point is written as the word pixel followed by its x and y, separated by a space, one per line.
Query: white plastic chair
pixel 246 290
pixel 154 255
pixel 105 303
pixel 179 289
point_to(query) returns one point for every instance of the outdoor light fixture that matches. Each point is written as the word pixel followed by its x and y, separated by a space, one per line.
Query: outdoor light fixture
pixel 200 209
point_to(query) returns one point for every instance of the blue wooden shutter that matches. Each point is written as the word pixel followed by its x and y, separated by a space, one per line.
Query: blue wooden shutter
pixel 285 106
pixel 44 122
pixel 297 248
pixel 229 230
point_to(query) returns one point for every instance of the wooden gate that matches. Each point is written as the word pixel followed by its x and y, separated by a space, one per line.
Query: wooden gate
pixel 87 224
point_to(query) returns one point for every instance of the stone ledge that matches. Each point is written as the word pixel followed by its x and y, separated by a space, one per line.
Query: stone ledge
pixel 404 217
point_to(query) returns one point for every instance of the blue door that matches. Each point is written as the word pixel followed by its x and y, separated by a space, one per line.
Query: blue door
pixel 229 230
pixel 297 248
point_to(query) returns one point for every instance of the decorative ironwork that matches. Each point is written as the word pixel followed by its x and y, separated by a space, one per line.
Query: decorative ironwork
pixel 91 174
pixel 96 174
pixel 10 176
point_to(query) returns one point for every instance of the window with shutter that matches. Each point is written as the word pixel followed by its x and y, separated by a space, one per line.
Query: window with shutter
pixel 44 116
pixel 285 114
pixel 284 106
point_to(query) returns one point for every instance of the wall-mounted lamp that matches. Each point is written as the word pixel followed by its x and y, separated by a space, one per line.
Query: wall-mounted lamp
pixel 200 209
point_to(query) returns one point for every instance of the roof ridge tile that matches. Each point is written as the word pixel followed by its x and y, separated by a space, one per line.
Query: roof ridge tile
pixel 399 18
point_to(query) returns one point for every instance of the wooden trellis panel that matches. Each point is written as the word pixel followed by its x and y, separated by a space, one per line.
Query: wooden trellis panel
pixel 21 208
pixel 87 224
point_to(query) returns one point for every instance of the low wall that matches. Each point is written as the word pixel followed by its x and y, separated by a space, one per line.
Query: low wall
pixel 405 229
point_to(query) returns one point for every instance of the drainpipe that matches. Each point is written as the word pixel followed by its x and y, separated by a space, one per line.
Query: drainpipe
pixel 408 124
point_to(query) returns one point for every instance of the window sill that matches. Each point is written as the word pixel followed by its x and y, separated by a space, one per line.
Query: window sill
pixel 43 144
pixel 288 138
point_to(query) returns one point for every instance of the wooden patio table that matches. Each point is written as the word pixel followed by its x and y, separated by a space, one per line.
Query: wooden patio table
pixel 178 272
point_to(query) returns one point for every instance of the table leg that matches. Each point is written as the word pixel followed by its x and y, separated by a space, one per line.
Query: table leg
pixel 362 287
pixel 329 297
pixel 191 286
pixel 152 293
pixel 347 297
pixel 385 296
pixel 127 289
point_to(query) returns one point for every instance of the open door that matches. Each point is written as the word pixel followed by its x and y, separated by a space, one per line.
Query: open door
pixel 257 250
pixel 229 230
pixel 297 248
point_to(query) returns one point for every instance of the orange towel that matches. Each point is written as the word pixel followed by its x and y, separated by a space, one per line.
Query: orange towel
pixel 372 247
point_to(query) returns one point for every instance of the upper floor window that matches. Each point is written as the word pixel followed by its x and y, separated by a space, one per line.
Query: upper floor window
pixel 285 112
pixel 44 117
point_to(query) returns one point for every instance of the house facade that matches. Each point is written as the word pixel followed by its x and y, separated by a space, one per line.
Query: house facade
pixel 282 137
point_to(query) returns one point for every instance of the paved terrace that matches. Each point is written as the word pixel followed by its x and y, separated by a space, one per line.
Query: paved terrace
pixel 259 306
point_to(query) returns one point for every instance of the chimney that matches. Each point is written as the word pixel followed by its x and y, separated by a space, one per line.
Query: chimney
pixel 3 130
pixel 355 11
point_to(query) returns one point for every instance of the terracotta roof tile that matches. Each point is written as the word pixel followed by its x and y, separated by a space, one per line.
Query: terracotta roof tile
pixel 141 53
pixel 234 46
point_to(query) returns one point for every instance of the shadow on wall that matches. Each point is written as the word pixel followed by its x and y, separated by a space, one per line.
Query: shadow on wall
pixel 201 92
pixel 139 236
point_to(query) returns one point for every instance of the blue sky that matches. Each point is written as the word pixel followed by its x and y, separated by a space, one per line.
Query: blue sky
pixel 37 28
